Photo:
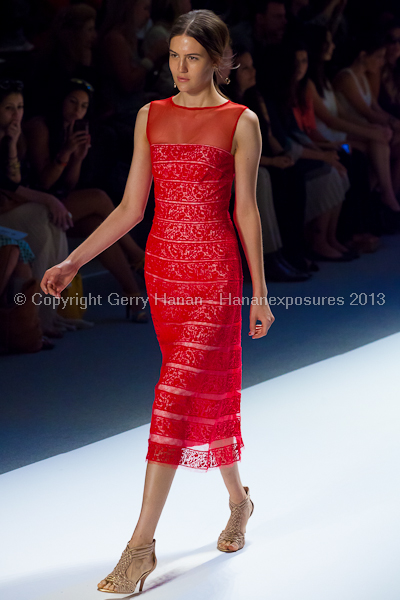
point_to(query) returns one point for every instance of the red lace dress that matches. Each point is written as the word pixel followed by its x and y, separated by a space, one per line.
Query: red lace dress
pixel 194 281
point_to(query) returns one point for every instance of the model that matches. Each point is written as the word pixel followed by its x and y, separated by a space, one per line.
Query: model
pixel 193 144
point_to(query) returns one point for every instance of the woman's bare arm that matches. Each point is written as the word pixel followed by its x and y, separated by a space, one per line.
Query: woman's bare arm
pixel 247 217
pixel 129 212
pixel 339 123
pixel 345 84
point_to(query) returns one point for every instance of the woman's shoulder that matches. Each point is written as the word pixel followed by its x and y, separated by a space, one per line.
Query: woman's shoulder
pixel 343 78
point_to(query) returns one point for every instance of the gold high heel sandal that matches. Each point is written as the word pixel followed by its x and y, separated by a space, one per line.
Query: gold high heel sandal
pixel 232 533
pixel 122 585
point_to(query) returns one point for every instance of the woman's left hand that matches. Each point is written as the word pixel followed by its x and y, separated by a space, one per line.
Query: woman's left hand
pixel 260 311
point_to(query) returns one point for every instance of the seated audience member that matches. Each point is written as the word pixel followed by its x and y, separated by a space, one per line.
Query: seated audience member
pixel 57 149
pixel 263 36
pixel 20 328
pixel 124 71
pixel 326 186
pixel 386 85
pixel 332 124
pixel 67 53
pixel 354 93
pixel 164 13
pixel 243 89
pixel 42 216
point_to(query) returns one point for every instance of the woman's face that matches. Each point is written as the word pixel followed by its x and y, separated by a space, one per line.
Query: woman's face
pixel 374 62
pixel 190 64
pixel 393 46
pixel 329 47
pixel 246 73
pixel 75 106
pixel 142 10
pixel 301 64
pixel 11 109
pixel 88 34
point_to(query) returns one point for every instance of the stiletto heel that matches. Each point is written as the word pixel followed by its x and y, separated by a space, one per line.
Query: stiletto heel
pixel 122 584
pixel 232 533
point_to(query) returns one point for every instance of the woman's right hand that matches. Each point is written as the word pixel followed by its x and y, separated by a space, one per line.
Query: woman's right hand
pixel 332 159
pixel 74 139
pixel 381 133
pixel 56 279
pixel 60 215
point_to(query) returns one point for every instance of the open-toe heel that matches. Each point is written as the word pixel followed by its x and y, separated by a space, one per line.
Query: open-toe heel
pixel 147 562
pixel 232 532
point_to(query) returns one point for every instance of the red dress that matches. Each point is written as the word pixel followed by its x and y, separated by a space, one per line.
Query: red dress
pixel 194 281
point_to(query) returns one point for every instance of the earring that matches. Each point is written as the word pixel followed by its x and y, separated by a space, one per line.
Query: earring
pixel 227 80
pixel 174 84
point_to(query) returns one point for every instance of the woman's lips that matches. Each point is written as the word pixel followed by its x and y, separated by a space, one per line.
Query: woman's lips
pixel 182 79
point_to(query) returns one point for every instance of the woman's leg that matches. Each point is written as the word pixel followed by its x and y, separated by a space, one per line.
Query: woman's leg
pixel 379 155
pixel 318 235
pixel 113 258
pixel 231 478
pixel 157 484
pixel 87 203
pixel 332 228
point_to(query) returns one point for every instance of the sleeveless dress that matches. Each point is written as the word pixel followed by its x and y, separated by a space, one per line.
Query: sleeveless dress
pixel 194 281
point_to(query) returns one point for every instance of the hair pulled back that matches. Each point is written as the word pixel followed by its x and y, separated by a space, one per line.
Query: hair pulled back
pixel 210 31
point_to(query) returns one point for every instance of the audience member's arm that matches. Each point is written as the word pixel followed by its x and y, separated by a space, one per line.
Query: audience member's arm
pixel 339 123
pixel 345 84
pixel 60 215
pixel 49 171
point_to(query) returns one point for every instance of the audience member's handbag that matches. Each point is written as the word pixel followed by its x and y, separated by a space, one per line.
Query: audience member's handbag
pixel 73 307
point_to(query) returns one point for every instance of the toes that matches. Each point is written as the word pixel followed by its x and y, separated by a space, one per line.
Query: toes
pixel 233 546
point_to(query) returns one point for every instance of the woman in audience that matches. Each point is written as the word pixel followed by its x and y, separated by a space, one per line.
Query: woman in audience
pixel 42 216
pixel 320 116
pixel 386 84
pixel 67 53
pixel 280 198
pixel 163 14
pixel 354 93
pixel 57 151
pixel 124 71
pixel 20 329
pixel 326 178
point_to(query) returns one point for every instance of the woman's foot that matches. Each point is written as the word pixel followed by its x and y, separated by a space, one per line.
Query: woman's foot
pixel 131 567
pixel 326 250
pixel 240 514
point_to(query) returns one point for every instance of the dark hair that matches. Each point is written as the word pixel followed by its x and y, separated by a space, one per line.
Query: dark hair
pixel 368 43
pixel 53 116
pixel 317 46
pixel 291 92
pixel 238 50
pixel 10 86
pixel 210 31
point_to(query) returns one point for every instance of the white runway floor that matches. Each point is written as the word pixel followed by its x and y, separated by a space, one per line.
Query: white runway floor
pixel 321 458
